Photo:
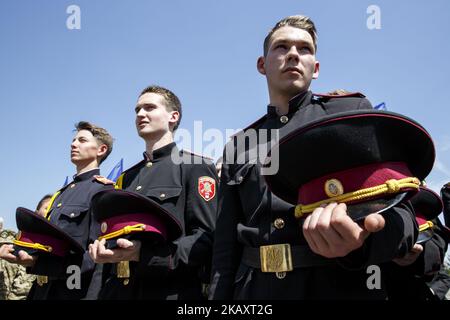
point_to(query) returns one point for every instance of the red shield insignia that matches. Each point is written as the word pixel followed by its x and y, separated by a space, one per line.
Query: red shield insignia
pixel 206 187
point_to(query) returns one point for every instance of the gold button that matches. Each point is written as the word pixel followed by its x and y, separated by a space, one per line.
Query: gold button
pixel 284 119
pixel 50 249
pixel 163 195
pixel 279 223
pixel 240 178
pixel 72 186
pixel 59 205
pixel 280 275
pixel 72 215
pixel 138 188
pixel 126 282
pixel 148 164
pixel 104 227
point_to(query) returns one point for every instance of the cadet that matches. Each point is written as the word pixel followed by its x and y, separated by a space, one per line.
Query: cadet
pixel 407 276
pixel 250 217
pixel 183 184
pixel 69 210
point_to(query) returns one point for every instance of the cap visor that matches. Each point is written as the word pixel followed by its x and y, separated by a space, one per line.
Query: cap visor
pixel 359 211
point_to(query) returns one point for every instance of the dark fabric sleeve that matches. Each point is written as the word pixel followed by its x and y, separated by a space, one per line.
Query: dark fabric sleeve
pixel 441 284
pixel 395 240
pixel 227 251
pixel 432 257
pixel 445 194
pixel 194 249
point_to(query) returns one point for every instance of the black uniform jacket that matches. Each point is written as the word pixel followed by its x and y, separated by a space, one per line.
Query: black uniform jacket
pixel 70 211
pixel 178 269
pixel 251 216
pixel 413 282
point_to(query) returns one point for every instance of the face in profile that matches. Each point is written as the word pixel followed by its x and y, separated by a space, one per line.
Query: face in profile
pixel 84 148
pixel 152 118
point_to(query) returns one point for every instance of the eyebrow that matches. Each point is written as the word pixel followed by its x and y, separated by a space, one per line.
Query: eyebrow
pixel 280 41
pixel 144 104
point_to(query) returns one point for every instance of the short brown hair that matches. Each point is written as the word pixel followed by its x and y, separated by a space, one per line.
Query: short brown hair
pixel 298 21
pixel 99 133
pixel 172 101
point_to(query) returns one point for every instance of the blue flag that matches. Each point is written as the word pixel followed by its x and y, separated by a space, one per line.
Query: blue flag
pixel 381 106
pixel 116 171
pixel 66 182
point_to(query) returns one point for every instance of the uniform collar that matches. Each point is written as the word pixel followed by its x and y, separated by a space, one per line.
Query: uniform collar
pixel 86 175
pixel 294 104
pixel 161 152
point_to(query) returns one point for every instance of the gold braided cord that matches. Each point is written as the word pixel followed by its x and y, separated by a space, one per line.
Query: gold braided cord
pixel 126 230
pixel 50 204
pixel 392 186
pixel 33 245
pixel 425 226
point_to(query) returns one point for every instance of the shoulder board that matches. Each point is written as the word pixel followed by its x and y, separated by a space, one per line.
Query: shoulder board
pixel 346 95
pixel 254 125
pixel 189 152
pixel 103 180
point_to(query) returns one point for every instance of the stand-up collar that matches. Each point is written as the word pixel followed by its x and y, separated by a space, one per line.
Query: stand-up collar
pixel 294 104
pixel 86 175
pixel 161 152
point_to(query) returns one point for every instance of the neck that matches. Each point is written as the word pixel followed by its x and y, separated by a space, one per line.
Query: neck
pixel 82 168
pixel 152 145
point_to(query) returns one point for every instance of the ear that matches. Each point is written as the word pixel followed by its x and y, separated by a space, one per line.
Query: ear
pixel 316 70
pixel 102 150
pixel 260 65
pixel 174 117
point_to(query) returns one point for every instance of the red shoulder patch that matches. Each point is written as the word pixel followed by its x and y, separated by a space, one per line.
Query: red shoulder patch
pixel 206 187
pixel 103 180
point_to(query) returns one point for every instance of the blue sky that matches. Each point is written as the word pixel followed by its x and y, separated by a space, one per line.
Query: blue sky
pixel 205 51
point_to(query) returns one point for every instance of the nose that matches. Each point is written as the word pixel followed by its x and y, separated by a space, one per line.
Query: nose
pixel 140 113
pixel 73 144
pixel 292 54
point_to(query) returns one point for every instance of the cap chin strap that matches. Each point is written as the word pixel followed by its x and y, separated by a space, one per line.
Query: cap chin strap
pixel 37 246
pixel 392 186
pixel 126 230
pixel 425 226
